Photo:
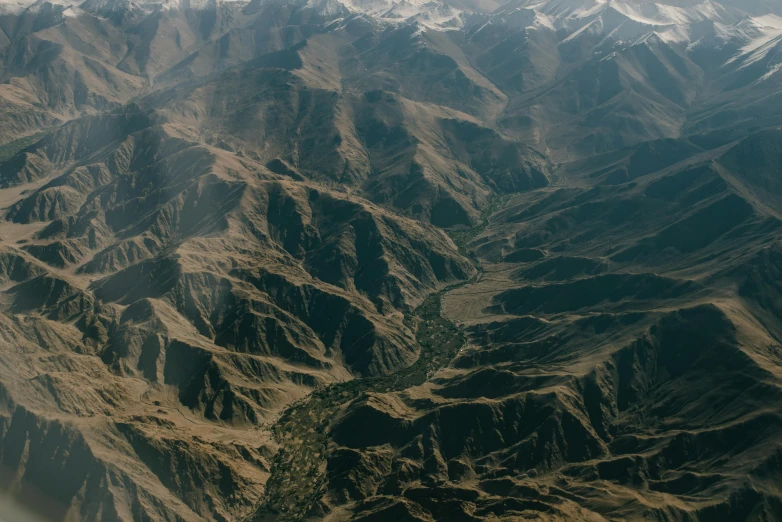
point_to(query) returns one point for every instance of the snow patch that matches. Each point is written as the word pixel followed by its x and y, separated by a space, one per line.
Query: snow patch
pixel 772 70
pixel 767 35
pixel 674 35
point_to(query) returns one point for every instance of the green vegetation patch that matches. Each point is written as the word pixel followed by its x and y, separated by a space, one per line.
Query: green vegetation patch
pixel 12 147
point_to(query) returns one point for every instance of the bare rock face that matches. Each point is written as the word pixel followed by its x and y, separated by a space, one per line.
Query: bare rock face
pixel 614 361
pixel 604 352
pixel 198 293
pixel 341 260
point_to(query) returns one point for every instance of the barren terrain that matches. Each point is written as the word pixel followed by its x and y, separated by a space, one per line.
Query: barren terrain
pixel 283 260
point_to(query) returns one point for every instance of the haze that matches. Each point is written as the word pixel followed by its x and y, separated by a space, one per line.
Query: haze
pixel 373 260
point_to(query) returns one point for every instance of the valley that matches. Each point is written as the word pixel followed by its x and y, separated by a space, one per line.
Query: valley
pixel 389 260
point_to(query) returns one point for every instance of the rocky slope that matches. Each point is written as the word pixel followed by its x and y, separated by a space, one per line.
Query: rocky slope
pixel 615 367
pixel 278 260
pixel 197 293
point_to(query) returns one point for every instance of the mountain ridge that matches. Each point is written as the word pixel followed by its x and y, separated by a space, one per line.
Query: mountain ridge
pixel 290 260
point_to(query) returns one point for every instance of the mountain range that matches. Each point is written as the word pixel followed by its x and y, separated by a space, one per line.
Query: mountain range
pixel 391 260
